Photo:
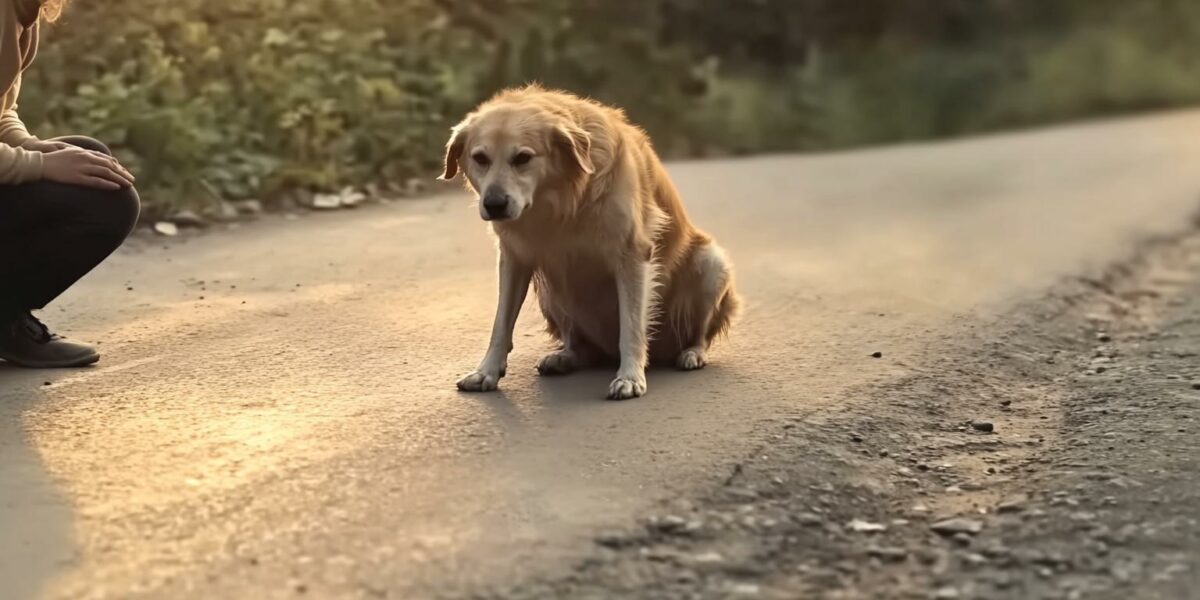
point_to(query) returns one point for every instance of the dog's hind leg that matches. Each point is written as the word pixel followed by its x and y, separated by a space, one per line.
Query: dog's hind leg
pixel 712 306
pixel 575 354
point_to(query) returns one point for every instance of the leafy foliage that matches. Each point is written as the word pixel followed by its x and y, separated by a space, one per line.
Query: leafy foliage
pixel 213 100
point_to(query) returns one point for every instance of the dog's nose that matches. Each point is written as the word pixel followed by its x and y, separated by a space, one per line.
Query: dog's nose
pixel 495 204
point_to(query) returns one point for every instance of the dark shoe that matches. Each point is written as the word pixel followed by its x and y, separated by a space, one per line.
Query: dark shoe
pixel 26 342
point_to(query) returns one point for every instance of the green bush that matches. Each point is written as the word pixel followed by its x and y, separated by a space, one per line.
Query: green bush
pixel 211 100
pixel 253 99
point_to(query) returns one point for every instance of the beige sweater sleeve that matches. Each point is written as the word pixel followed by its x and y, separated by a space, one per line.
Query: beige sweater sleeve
pixel 17 165
pixel 12 130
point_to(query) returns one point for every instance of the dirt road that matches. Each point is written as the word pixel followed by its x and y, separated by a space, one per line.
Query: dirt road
pixel 275 413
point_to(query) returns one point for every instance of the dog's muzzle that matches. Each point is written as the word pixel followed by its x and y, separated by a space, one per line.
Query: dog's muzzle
pixel 495 205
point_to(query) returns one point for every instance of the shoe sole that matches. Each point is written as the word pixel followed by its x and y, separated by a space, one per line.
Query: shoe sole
pixel 71 364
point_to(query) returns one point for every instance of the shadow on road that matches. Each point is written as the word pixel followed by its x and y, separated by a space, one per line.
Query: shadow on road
pixel 34 517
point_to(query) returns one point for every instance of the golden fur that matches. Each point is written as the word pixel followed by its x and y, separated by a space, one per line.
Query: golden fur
pixel 595 222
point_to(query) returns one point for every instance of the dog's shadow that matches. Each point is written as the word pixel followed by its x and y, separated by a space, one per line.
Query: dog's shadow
pixel 585 392
pixel 589 387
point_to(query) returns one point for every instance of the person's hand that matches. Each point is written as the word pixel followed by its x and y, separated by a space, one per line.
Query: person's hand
pixel 44 145
pixel 77 166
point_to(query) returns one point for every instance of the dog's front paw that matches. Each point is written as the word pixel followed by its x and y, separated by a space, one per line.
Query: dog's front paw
pixel 624 388
pixel 558 363
pixel 480 382
pixel 692 359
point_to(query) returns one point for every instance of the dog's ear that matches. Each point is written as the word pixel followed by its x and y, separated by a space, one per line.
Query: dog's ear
pixel 454 149
pixel 577 144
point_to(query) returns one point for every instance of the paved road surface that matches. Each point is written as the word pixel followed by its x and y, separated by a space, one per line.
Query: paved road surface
pixel 275 412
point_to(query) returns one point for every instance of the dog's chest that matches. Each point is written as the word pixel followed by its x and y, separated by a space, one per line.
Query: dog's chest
pixel 581 251
pixel 569 266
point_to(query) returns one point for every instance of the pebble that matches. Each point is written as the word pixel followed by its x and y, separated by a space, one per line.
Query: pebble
pixel 326 202
pixel 707 560
pixel 958 525
pixel 742 493
pixel 226 212
pixel 861 526
pixel 684 576
pixel 1049 559
pixel 350 197
pixel 248 207
pixel 974 559
pixel 613 540
pixel 887 554
pixel 985 426
pixel 1010 506
pixel 876 355
pixel 1002 581
pixel 744 589
pixel 1196 386
pixel 660 554
pixel 808 519
pixel 668 524
pixel 946 593
pixel 166 229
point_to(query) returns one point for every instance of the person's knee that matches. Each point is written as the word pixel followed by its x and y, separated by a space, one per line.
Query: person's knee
pixel 126 207
pixel 86 143
pixel 114 211
pixel 111 212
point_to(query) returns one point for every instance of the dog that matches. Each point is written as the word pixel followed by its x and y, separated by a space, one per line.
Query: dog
pixel 583 209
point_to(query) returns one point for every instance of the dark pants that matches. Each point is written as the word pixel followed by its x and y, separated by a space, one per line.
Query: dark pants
pixel 52 234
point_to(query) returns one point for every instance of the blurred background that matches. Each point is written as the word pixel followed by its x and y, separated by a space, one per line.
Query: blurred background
pixel 217 100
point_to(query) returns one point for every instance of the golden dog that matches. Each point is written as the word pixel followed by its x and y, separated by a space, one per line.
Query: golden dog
pixel 584 210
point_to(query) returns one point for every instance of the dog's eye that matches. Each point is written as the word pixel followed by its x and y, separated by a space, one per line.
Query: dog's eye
pixel 481 158
pixel 522 158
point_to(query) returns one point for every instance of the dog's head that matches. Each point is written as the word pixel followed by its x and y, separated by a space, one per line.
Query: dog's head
pixel 509 153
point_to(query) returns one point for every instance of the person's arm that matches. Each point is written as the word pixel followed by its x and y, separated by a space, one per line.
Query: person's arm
pixel 14 133
pixel 25 158
pixel 12 130
pixel 17 164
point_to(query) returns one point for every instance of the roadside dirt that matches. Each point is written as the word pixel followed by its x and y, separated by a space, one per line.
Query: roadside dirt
pixel 1050 453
